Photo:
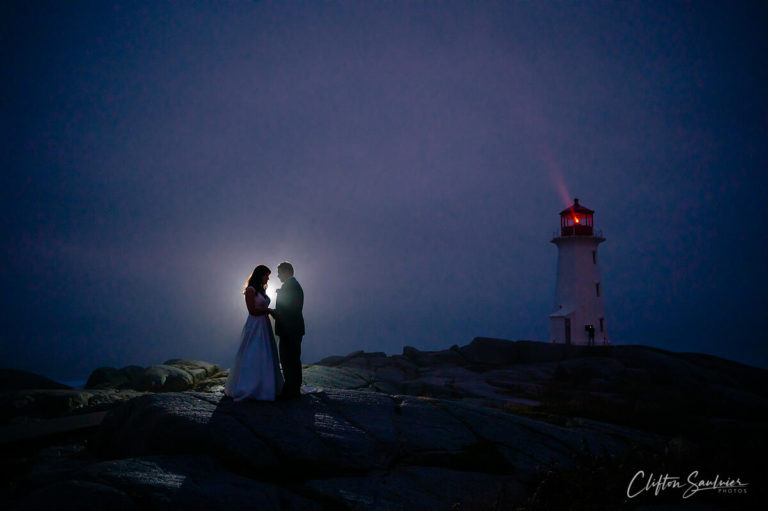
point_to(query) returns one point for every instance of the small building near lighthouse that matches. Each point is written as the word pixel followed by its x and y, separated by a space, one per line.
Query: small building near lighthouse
pixel 579 315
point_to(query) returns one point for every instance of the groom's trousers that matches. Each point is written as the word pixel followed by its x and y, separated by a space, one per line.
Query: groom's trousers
pixel 290 359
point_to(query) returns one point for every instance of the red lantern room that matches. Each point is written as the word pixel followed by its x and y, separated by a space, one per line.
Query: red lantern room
pixel 576 220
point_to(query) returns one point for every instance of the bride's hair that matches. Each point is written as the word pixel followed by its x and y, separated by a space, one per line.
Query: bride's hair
pixel 255 279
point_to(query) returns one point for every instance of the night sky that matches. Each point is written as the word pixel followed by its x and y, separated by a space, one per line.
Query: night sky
pixel 409 158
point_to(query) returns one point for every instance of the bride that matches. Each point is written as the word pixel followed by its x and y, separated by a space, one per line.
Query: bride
pixel 255 373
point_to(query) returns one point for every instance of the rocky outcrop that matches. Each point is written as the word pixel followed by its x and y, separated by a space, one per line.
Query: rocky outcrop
pixel 112 378
pixel 632 385
pixel 175 375
pixel 33 405
pixel 341 431
pixel 339 449
pixel 28 398
pixel 491 425
pixel 15 379
pixel 195 482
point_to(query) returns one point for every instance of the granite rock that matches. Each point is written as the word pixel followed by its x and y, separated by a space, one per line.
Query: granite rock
pixel 492 425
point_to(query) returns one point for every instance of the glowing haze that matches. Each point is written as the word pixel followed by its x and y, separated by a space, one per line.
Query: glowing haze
pixel 409 158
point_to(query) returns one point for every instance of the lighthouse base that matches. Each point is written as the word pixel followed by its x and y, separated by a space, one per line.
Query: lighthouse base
pixel 566 328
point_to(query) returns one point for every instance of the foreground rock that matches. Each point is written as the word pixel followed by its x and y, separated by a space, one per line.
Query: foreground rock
pixel 354 449
pixel 491 425
pixel 161 483
pixel 34 405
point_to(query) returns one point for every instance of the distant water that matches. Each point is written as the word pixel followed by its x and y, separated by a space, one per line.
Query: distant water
pixel 77 384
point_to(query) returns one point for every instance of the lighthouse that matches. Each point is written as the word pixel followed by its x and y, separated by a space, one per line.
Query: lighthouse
pixel 579 315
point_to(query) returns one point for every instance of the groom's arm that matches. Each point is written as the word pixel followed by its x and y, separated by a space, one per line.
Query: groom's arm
pixel 296 297
pixel 299 298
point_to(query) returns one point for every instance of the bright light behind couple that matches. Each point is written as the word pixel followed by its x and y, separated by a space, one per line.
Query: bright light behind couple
pixel 239 275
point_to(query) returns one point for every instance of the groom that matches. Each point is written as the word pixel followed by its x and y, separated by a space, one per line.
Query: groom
pixel 289 326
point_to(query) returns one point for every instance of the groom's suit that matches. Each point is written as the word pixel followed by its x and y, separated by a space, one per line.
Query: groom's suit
pixel 289 325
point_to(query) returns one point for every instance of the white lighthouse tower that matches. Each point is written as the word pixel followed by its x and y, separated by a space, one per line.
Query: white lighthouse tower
pixel 579 316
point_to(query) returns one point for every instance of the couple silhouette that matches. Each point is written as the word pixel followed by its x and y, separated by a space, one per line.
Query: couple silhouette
pixel 255 373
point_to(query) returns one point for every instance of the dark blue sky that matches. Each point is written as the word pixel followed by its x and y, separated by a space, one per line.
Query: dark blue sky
pixel 410 159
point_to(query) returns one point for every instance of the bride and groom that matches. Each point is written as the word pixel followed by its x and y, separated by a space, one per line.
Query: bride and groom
pixel 255 373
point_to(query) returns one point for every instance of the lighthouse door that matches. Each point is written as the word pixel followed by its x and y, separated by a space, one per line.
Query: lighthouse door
pixel 567 330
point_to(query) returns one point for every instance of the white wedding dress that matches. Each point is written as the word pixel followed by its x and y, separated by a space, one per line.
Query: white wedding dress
pixel 255 373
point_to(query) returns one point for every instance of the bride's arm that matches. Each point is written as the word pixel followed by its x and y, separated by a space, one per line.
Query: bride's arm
pixel 250 302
